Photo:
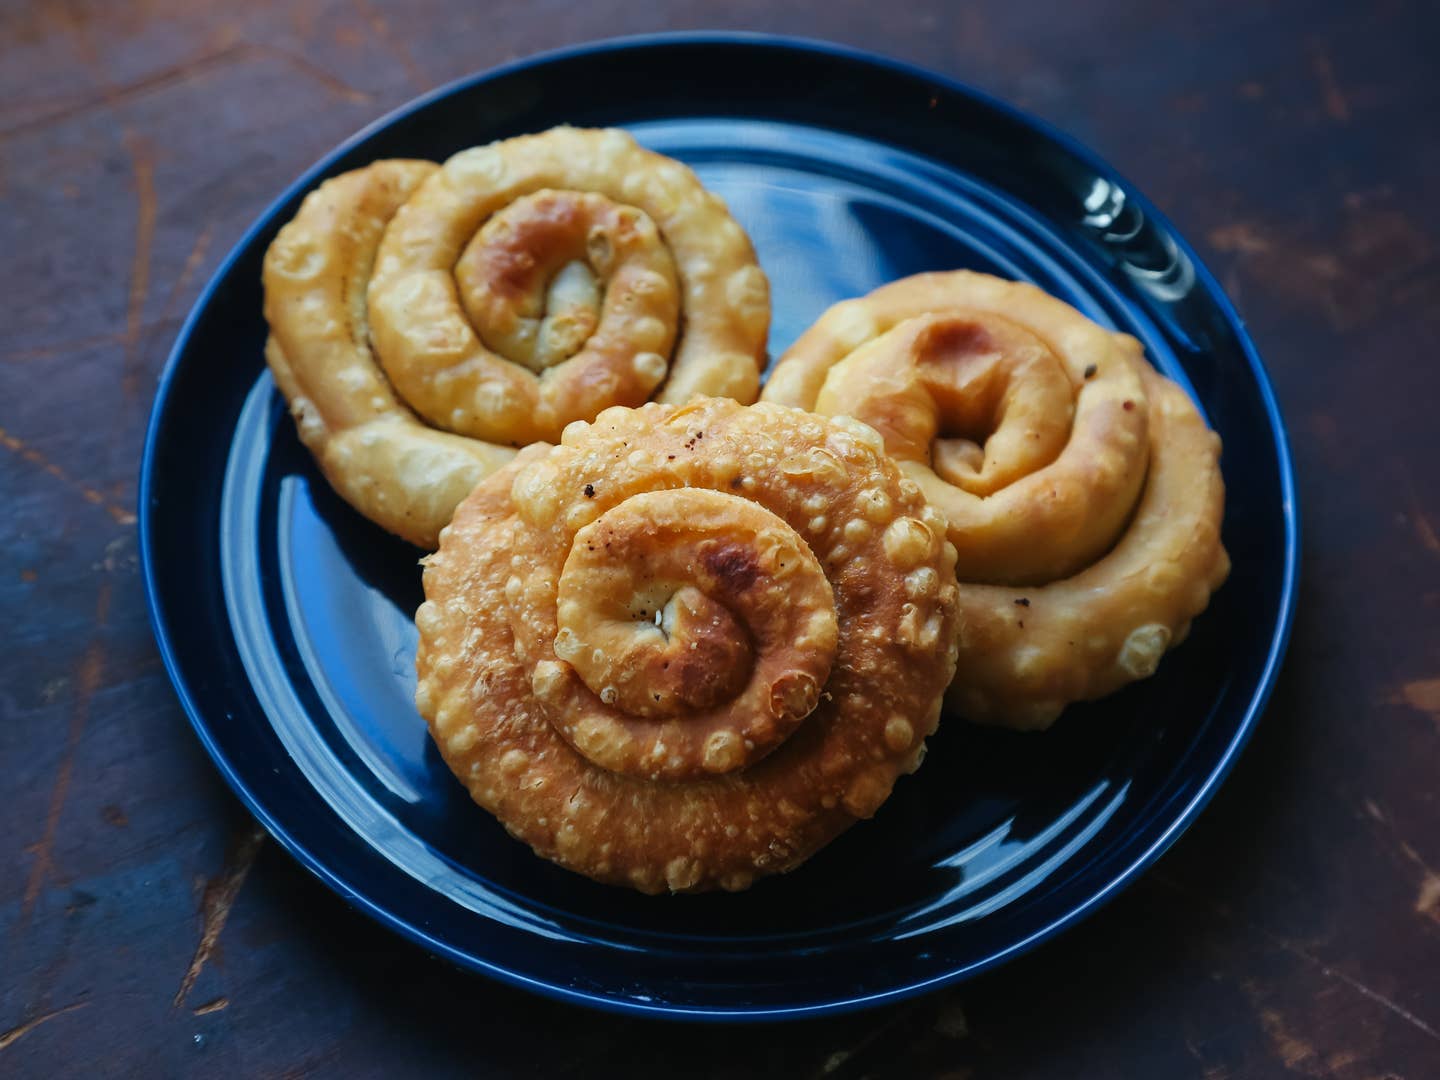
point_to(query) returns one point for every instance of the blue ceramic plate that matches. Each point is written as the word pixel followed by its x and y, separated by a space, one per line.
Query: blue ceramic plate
pixel 285 618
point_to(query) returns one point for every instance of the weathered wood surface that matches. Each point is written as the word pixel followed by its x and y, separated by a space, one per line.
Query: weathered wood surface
pixel 145 927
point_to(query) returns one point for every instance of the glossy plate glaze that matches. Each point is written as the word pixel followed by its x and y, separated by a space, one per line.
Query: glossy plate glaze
pixel 285 618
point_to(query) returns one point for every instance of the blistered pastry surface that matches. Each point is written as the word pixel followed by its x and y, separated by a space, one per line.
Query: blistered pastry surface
pixel 774 544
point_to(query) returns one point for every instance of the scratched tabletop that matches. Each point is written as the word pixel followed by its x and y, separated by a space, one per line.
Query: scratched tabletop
pixel 147 927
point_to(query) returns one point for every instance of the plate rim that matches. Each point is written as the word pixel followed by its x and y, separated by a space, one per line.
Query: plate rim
pixel 416 934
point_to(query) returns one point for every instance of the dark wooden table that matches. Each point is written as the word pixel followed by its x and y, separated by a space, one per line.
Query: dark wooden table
pixel 147 929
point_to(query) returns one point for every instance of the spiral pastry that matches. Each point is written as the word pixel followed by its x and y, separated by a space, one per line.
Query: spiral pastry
pixel 541 279
pixel 426 320
pixel 690 645
pixel 1081 488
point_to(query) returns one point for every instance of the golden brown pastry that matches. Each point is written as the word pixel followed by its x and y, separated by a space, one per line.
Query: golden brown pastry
pixel 617 238
pixel 384 462
pixel 690 645
pixel 1081 488
pixel 516 288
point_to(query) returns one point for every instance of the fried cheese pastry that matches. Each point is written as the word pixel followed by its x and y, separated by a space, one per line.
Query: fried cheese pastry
pixel 690 645
pixel 538 280
pixel 1082 489
pixel 427 320
pixel 401 474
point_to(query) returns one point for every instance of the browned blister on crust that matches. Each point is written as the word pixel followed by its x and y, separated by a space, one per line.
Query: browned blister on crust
pixel 1082 489
pixel 690 645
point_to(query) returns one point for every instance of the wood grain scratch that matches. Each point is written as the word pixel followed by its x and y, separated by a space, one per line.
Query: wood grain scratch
pixel 216 902
pixel 1336 107
pixel 187 271
pixel 113 337
pixel 845 1060
pixel 380 31
pixel 1232 281
pixel 1295 1052
pixel 333 83
pixel 15 1034
pixel 1424 531
pixel 1244 241
pixel 142 166
pixel 63 348
pixel 73 20
pixel 192 264
pixel 1288 262
pixel 1427 903
pixel 1207 1071
pixel 1239 237
pixel 1415 514
pixel 87 680
pixel 1383 1001
pixel 121 515
pixel 109 96
pixel 1422 695
pixel 1297 951
pixel 135 352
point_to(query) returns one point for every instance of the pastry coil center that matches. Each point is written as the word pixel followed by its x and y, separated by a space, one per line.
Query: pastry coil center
pixel 1010 435
pixel 571 276
pixel 695 632
pixel 999 401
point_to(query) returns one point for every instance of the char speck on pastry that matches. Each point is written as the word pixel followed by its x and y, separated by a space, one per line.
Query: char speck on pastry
pixel 690 645
pixel 1082 489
